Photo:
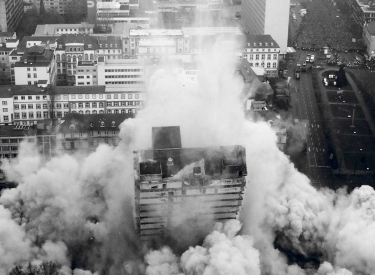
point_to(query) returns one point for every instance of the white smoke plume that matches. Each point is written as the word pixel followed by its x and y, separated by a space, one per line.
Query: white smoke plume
pixel 78 210
pixel 223 252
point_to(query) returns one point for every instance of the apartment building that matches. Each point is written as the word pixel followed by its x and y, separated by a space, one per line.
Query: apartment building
pixel 87 132
pixel 269 17
pixel 87 73
pixel 37 67
pixel 175 5
pixel 6 108
pixel 362 11
pixel 262 51
pixel 30 104
pixel 168 178
pixel 110 47
pixel 11 12
pixel 70 50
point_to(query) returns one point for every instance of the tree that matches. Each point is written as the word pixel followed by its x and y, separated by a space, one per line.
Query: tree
pixel 75 11
pixel 45 268
pixel 42 10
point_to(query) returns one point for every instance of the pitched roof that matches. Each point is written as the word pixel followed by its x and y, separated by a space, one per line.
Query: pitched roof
pixel 84 39
pixel 73 123
pixel 259 41
pixel 96 89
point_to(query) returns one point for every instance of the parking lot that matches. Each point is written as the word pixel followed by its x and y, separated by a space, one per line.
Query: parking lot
pixel 347 97
pixel 346 111
pixel 343 126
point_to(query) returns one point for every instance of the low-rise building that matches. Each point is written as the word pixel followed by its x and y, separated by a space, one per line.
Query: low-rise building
pixel 60 29
pixel 37 67
pixel 87 132
pixel 262 51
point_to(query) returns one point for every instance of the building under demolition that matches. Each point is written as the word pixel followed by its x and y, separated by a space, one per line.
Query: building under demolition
pixel 194 187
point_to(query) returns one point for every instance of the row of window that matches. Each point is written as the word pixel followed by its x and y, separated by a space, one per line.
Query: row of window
pixel 261 50
pixel 30 106
pixel 122 76
pixel 124 82
pixel 74 58
pixel 25 115
pixel 274 65
pixel 121 70
pixel 101 96
pixel 30 97
pixel 262 56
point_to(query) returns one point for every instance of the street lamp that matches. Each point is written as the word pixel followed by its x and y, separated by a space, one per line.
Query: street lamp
pixel 353 116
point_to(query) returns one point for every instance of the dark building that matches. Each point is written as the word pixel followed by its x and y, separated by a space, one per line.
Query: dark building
pixel 189 186
pixel 11 12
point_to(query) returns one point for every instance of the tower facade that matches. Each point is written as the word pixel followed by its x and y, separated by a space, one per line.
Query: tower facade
pixel 11 12
pixel 267 17
pixel 180 190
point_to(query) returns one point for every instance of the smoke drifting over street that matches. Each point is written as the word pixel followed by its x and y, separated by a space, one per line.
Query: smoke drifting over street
pixel 77 211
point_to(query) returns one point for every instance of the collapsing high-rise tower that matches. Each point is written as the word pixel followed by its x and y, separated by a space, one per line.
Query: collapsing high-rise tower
pixel 175 185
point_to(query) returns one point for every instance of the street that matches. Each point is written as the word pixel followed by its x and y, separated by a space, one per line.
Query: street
pixel 304 107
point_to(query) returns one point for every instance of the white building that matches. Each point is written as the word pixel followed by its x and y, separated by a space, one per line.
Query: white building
pixel 6 110
pixel 267 17
pixel 37 67
pixel 261 51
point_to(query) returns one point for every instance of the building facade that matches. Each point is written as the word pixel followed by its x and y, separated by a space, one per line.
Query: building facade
pixel 362 11
pixel 37 67
pixel 261 51
pixel 11 12
pixel 267 17
pixel 174 180
pixel 369 38
pixel 87 132
pixel 70 50
pixel 60 29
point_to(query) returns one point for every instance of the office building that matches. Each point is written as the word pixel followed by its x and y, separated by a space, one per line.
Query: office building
pixel 11 12
pixel 369 38
pixel 59 29
pixel 171 180
pixel 362 11
pixel 267 17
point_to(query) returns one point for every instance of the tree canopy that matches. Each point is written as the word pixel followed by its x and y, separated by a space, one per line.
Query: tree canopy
pixel 45 268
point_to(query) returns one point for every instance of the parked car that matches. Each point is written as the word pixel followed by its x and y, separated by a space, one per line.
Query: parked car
pixel 312 58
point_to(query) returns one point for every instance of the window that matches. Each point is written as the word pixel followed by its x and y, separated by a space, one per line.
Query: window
pixel 17 115
pixel 87 105
pixel 5 103
pixel 263 56
pixel 251 56
pixel 35 76
pixel 23 97
pixel 16 106
pixel 5 110
pixel 79 96
pixel 73 96
pixel 58 114
pixel 58 105
pixel 268 65
pixel 39 114
pixel 87 96
pixel 73 105
pixel 101 105
pixel 45 114
pixel 65 96
pixel 122 96
pixel 24 115
pixel 108 96
pixel 66 105
pixel 109 103
pixel 115 96
pixel 101 96
pixel 31 115
pixel 80 105
pixel 93 96
pixel 94 105
pixel 257 57
pixel 274 65
pixel 37 97
pixel 28 75
pixel 136 96
pixel 6 118
pixel 28 69
pixel 275 56
pixel 16 98
pixel 130 96
pixel 269 56
pixel 30 106
pixel 45 106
